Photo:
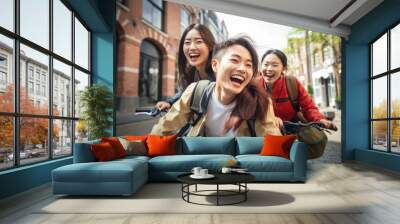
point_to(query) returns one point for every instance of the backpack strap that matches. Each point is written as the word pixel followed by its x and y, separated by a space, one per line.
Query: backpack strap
pixel 198 94
pixel 293 93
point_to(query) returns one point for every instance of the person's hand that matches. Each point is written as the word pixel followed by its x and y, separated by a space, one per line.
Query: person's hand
pixel 328 124
pixel 162 105
pixel 279 122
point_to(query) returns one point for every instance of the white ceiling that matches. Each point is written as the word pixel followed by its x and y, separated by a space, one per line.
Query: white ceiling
pixel 315 15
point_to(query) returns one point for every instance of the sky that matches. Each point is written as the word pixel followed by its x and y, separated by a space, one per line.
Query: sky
pixel 35 27
pixel 265 35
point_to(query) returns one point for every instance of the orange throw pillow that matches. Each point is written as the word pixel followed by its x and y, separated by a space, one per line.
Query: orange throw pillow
pixel 277 145
pixel 161 145
pixel 116 145
pixel 103 151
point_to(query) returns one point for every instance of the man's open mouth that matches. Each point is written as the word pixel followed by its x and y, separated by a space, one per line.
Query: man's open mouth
pixel 239 79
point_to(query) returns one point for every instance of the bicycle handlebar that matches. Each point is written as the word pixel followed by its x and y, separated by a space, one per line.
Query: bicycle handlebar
pixel 316 124
pixel 149 111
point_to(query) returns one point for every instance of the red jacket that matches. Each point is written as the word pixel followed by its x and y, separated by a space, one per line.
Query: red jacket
pixel 283 107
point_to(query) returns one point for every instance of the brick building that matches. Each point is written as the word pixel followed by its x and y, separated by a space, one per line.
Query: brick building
pixel 148 34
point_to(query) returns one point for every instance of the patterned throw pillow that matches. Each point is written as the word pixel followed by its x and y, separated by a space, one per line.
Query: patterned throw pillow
pixel 133 147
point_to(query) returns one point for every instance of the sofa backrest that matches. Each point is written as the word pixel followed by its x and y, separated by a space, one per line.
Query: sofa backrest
pixel 206 145
pixel 249 145
pixel 83 152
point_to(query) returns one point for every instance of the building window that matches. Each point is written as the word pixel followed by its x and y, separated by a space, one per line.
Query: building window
pixel 153 12
pixel 30 87
pixel 3 78
pixel 69 37
pixel 385 97
pixel 185 19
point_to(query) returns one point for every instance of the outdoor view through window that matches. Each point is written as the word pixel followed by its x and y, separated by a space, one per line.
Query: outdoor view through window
pixel 40 82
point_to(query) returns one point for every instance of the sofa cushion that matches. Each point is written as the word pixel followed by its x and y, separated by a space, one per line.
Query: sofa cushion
pixel 103 152
pixel 206 145
pixel 257 163
pixel 161 145
pixel 133 147
pixel 277 145
pixel 116 145
pixel 185 163
pixel 249 145
pixel 83 152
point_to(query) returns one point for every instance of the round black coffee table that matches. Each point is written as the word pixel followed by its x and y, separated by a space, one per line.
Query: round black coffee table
pixel 238 179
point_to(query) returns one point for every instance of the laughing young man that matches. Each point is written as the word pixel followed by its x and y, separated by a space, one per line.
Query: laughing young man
pixel 228 103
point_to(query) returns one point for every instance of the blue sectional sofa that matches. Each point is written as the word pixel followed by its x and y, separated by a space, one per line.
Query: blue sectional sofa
pixel 125 176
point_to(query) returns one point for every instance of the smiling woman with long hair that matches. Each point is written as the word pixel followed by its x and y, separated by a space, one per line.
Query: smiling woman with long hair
pixel 194 58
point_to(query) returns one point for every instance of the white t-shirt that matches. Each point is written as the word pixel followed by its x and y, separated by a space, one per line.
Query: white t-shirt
pixel 217 115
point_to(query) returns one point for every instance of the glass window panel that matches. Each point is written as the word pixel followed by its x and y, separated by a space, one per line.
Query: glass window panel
pixel 158 3
pixel 7 14
pixel 81 45
pixel 379 55
pixel 6 74
pixel 35 21
pixel 62 29
pixel 33 140
pixel 81 131
pixel 62 138
pixel 395 136
pixel 157 18
pixel 395 47
pixel 81 81
pixel 147 10
pixel 379 98
pixel 379 135
pixel 39 62
pixel 6 142
pixel 62 89
pixel 395 95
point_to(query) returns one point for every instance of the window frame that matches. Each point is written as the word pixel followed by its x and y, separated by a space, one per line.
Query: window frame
pixel 388 74
pixel 16 114
pixel 154 6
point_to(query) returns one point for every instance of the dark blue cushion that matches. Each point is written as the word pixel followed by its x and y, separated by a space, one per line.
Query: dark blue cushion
pixel 249 145
pixel 206 145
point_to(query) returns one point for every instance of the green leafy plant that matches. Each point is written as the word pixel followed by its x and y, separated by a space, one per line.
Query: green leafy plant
pixel 96 102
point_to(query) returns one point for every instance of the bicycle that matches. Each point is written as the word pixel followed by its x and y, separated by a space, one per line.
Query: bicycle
pixel 293 127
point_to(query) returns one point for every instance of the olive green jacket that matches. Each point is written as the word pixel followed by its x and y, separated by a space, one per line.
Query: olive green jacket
pixel 180 114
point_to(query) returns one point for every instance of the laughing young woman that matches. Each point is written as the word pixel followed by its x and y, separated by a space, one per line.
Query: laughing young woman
pixel 194 59
pixel 273 67
pixel 229 102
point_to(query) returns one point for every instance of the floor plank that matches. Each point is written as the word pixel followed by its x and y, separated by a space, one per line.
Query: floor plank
pixel 377 190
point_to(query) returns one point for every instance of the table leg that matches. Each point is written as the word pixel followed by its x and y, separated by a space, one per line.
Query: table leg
pixel 217 194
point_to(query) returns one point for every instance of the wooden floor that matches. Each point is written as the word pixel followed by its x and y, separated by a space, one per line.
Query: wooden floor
pixel 377 188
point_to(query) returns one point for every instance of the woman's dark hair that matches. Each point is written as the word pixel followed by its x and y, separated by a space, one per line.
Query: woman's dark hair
pixel 186 71
pixel 253 101
pixel 279 54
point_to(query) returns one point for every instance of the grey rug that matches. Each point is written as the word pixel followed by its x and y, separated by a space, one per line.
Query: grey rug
pixel 166 198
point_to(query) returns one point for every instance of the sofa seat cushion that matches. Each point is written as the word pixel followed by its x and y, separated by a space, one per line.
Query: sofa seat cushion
pixel 257 163
pixel 185 163
pixel 112 171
